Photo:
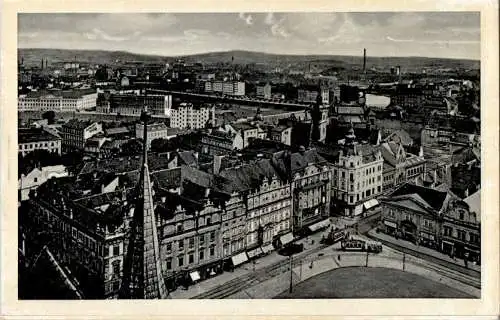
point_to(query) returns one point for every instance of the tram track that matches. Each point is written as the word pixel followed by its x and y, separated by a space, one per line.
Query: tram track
pixel 260 275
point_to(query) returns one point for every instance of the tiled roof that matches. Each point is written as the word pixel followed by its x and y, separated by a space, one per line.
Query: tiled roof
pixel 119 130
pixel 35 135
pixel 77 124
pixel 188 157
pixel 249 176
pixel 435 199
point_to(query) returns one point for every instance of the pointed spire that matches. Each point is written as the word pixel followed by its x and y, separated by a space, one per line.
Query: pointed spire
pixel 143 274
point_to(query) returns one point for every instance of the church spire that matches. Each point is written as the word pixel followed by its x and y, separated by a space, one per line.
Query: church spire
pixel 142 272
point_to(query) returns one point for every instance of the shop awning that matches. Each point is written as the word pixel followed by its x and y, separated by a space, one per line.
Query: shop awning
pixel 267 248
pixel 239 259
pixel 390 224
pixel 287 238
pixel 319 225
pixel 370 204
pixel 195 276
pixel 254 252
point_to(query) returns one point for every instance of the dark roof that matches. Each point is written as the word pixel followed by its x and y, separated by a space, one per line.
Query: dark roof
pixel 249 176
pixel 34 135
pixel 436 199
pixel 188 157
pixel 75 94
pixel 77 124
pixel 114 131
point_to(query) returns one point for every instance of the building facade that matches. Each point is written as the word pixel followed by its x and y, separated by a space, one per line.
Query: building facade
pixel 155 131
pixel 264 91
pixel 462 229
pixel 309 94
pixel 186 115
pixel 133 104
pixel 357 178
pixel 75 133
pixel 231 88
pixel 30 140
pixel 64 101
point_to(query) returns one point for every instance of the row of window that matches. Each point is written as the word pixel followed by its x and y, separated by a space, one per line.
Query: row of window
pixel 180 259
pixel 191 241
pixel 462 235
pixel 25 146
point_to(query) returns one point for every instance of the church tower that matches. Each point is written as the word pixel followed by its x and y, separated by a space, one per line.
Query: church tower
pixel 142 271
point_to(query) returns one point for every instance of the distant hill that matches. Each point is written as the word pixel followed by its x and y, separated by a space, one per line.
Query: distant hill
pixel 33 56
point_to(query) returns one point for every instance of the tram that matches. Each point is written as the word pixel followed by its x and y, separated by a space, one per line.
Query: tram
pixel 356 244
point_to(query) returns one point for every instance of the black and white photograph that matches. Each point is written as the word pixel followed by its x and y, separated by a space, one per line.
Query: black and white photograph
pixel 261 155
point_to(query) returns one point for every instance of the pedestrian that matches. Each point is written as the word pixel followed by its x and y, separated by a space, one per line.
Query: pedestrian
pixel 339 257
pixel 311 265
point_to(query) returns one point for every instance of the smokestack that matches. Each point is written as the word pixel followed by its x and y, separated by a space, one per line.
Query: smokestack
pixel 364 60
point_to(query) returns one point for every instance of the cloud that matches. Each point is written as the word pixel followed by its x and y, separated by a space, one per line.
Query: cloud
pixel 246 17
pixel 398 40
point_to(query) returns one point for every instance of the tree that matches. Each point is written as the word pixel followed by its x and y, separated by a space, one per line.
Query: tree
pixel 50 116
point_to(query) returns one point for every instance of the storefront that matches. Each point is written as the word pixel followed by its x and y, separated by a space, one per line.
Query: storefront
pixel 428 240
pixel 447 247
pixel 409 231
pixel 390 227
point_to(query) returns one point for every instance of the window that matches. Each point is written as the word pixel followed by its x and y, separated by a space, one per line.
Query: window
pixel 474 238
pixel 181 260
pixel 212 251
pixel 116 285
pixel 202 255
pixel 343 174
pixel 191 242
pixel 169 246
pixel 461 235
pixel 208 221
pixel 212 236
pixel 180 228
pixel 169 263
pixel 116 268
pixel 202 239
pixel 116 250
pixel 191 258
pixel 181 244
pixel 461 212
pixel 35 179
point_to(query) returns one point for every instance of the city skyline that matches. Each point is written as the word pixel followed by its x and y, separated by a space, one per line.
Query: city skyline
pixel 448 34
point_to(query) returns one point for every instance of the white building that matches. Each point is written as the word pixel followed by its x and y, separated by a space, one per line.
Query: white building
pixel 155 131
pixel 231 88
pixel 57 101
pixel 31 180
pixel 186 115
pixel 37 139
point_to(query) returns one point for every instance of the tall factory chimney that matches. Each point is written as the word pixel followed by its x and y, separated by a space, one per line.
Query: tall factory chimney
pixel 364 60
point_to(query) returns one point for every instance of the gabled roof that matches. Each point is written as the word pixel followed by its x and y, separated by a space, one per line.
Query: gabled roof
pixel 435 199
pixel 474 202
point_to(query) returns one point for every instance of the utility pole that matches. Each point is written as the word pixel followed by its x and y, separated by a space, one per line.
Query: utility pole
pixel 366 264
pixel 404 261
pixel 290 257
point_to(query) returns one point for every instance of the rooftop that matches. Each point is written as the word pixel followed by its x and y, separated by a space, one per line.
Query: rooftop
pixel 434 198
pixel 474 202
pixel 35 135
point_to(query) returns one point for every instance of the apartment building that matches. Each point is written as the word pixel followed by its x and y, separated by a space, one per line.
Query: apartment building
pixel 187 115
pixel 75 133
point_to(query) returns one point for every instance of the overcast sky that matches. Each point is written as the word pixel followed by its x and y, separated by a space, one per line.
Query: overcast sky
pixel 431 34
